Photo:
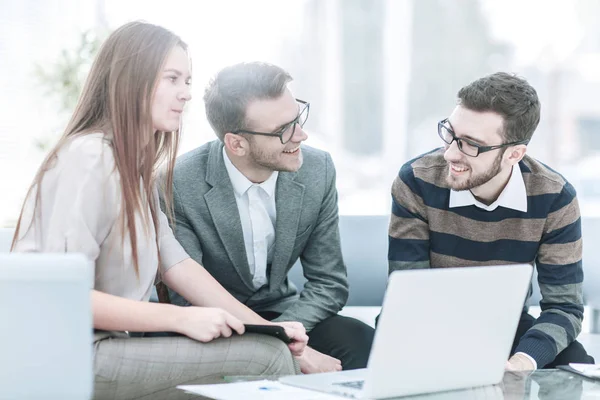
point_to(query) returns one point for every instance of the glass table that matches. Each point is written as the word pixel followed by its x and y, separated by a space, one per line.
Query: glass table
pixel 548 384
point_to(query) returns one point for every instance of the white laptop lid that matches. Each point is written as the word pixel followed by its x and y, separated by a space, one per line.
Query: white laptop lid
pixel 446 328
pixel 46 335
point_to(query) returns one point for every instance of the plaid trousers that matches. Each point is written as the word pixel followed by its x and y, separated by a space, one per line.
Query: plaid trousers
pixel 150 368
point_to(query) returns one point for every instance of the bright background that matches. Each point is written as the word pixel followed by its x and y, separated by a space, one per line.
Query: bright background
pixel 379 75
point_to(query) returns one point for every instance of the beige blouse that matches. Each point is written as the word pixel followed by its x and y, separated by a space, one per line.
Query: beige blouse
pixel 79 212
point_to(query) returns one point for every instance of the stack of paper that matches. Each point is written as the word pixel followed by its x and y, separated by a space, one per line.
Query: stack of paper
pixel 587 370
pixel 256 390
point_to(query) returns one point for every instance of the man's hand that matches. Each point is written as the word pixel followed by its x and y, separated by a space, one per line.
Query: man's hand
pixel 296 332
pixel 519 362
pixel 312 362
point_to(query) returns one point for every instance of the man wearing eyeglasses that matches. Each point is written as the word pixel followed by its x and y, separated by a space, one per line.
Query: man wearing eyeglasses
pixel 480 200
pixel 249 205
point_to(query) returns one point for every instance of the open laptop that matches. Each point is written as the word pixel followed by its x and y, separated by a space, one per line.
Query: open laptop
pixel 46 326
pixel 440 329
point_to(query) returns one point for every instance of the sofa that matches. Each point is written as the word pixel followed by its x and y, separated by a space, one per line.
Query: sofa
pixel 364 245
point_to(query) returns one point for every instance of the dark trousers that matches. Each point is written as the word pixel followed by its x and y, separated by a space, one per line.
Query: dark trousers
pixel 347 339
pixel 574 353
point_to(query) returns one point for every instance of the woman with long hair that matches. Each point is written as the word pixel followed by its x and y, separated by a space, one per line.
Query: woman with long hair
pixel 96 194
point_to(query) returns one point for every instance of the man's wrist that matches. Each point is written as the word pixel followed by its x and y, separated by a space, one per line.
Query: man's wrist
pixel 527 357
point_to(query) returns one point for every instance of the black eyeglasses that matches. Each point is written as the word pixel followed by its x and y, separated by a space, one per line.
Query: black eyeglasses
pixel 467 146
pixel 285 132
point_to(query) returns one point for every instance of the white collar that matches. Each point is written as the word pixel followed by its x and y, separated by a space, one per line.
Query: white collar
pixel 241 184
pixel 513 196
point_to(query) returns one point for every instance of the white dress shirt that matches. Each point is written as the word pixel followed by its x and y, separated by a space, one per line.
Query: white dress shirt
pixel 514 196
pixel 256 205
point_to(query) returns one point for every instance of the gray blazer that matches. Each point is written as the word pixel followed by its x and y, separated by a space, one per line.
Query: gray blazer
pixel 207 224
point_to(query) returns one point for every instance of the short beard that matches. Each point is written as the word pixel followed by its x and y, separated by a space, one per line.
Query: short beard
pixel 477 180
pixel 266 160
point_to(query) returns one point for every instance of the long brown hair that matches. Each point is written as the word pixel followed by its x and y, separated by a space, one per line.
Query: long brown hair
pixel 117 100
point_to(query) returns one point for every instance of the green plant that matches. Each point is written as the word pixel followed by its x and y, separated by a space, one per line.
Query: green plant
pixel 62 81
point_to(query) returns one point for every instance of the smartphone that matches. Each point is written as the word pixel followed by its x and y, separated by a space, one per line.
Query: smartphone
pixel 272 330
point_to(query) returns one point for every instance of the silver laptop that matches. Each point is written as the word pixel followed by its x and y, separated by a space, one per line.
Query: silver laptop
pixel 46 333
pixel 440 329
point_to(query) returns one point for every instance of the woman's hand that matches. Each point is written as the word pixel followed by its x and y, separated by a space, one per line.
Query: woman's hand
pixel 205 324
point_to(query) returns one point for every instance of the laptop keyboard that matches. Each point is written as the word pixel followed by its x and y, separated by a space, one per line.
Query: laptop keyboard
pixel 351 384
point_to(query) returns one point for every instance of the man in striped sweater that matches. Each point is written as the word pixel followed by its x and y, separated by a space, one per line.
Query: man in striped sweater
pixel 480 200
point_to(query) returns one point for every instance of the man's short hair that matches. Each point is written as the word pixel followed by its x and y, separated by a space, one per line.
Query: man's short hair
pixel 511 97
pixel 228 94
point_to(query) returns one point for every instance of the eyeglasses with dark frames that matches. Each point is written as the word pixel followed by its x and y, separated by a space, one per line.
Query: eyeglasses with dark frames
pixel 285 132
pixel 467 146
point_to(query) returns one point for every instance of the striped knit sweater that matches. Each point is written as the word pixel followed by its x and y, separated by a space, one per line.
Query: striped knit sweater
pixel 425 233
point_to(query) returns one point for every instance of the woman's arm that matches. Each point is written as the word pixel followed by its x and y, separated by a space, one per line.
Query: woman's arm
pixel 114 313
pixel 120 314
pixel 194 283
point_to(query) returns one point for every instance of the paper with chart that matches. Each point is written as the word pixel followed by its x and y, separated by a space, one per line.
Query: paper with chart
pixel 255 390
